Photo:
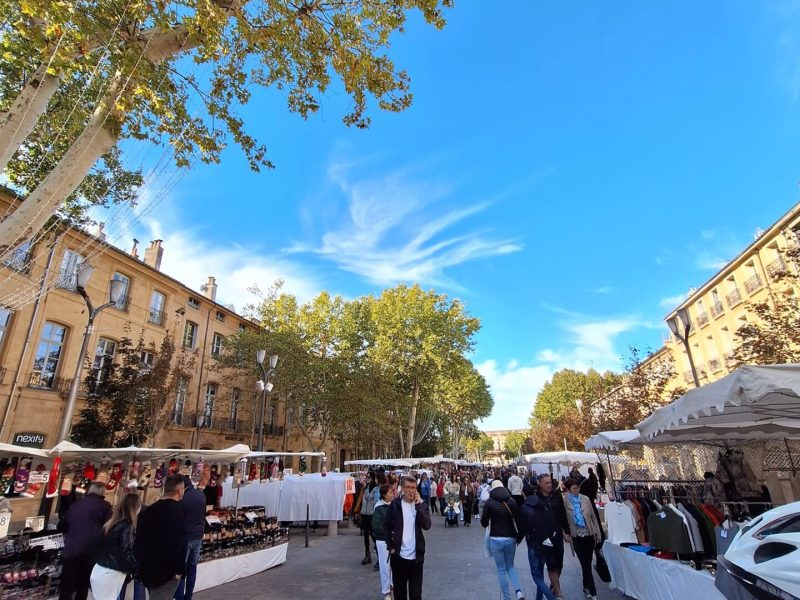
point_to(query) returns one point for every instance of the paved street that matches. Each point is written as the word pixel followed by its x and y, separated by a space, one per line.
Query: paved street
pixel 454 570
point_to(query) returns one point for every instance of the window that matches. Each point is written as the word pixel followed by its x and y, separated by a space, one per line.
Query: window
pixel 48 355
pixel 5 319
pixel 190 335
pixel 208 407
pixel 122 303
pixel 180 401
pixel 220 316
pixel 147 359
pixel 103 357
pixel 216 345
pixel 68 273
pixel 242 328
pixel 236 394
pixel 157 302
pixel 194 303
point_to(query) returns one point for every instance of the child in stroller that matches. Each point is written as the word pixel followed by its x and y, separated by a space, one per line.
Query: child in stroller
pixel 452 511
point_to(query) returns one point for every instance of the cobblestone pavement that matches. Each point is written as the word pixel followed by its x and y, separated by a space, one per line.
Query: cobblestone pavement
pixel 330 569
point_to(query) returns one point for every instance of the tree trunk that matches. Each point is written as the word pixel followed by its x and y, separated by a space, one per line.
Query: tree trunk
pixel 412 418
pixel 98 138
pixel 17 123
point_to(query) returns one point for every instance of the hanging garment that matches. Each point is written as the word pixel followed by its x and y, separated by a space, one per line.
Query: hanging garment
pixel 640 524
pixel 775 488
pixel 704 526
pixel 668 530
pixel 620 523
pixel 691 526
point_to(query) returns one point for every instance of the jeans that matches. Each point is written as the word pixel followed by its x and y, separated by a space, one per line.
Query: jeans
pixel 584 549
pixel 503 551
pixel 434 506
pixel 186 585
pixel 536 560
pixel 442 505
pixel 385 568
pixel 139 591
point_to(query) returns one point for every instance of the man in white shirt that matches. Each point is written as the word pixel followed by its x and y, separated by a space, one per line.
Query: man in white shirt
pixel 515 486
pixel 405 519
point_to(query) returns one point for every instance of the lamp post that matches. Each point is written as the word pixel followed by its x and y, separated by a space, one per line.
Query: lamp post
pixel 82 276
pixel 682 318
pixel 264 385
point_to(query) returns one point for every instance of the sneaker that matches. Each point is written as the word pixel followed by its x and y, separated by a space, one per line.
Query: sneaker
pixel 388 596
pixel 587 593
pixel 376 566
pixel 520 595
pixel 366 560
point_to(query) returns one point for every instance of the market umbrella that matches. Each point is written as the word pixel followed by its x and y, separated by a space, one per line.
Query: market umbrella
pixel 613 440
pixel 753 402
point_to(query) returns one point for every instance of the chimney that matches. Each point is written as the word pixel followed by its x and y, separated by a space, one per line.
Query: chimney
pixel 135 249
pixel 99 232
pixel 209 288
pixel 153 254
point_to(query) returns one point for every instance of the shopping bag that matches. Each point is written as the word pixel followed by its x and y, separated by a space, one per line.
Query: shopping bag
pixel 487 549
pixel 601 566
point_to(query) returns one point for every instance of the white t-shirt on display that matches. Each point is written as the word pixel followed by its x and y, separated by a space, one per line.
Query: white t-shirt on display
pixel 408 549
pixel 620 523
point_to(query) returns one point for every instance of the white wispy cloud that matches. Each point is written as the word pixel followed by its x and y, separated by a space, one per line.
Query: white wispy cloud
pixel 604 289
pixel 396 230
pixel 670 302
pixel 709 261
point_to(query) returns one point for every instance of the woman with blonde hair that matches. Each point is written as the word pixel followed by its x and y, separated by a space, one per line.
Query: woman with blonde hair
pixel 115 558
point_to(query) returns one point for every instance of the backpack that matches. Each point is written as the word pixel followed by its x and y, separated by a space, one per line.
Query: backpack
pixel 484 495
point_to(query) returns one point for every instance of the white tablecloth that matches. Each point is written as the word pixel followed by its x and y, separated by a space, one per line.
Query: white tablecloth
pixel 648 578
pixel 224 570
pixel 324 497
pixel 260 493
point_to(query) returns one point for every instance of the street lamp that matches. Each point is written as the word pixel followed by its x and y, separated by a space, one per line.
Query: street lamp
pixel 682 318
pixel 82 275
pixel 264 385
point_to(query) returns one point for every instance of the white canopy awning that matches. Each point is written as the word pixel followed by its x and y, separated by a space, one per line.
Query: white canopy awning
pixel 270 454
pixel 565 458
pixel 68 450
pixel 12 450
pixel 754 402
pixel 384 462
pixel 613 440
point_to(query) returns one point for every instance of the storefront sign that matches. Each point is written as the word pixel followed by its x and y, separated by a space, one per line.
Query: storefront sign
pixel 31 439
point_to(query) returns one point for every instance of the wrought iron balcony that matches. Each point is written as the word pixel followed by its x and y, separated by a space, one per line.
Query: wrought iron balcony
pixel 717 308
pixel 123 303
pixel 733 298
pixel 753 284
pixel 83 388
pixel 702 319
pixel 715 365
pixel 19 260
pixel 777 268
pixel 156 317
pixel 67 280
pixel 44 381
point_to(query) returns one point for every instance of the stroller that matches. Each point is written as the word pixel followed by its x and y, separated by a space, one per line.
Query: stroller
pixel 452 511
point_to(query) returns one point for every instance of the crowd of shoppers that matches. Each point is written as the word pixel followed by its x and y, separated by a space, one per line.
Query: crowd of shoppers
pixel 512 508
pixel 158 547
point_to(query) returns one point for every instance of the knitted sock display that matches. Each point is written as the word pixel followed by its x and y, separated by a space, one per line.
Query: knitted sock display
pixel 52 481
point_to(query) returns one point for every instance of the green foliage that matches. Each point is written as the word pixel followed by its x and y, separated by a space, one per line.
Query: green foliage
pixel 371 373
pixel 515 440
pixel 561 394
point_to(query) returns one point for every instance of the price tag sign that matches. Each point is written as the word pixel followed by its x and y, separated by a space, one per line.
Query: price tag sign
pixel 213 520
pixel 251 516
pixel 49 542
pixel 5 521
pixel 349 486
pixel 723 533
pixel 662 515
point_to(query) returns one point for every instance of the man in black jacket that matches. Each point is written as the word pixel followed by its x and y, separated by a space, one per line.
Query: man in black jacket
pixel 539 527
pixel 554 555
pixel 405 519
pixel 194 526
pixel 83 530
pixel 159 546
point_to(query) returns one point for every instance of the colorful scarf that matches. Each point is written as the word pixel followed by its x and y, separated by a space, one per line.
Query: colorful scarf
pixel 576 510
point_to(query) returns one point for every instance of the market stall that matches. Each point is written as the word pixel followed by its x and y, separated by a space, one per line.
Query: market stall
pixel 559 464
pixel 718 456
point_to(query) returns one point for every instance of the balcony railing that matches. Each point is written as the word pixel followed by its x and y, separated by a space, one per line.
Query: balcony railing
pixel 730 363
pixel 156 317
pixel 123 304
pixel 717 308
pixel 733 298
pixel 688 377
pixel 753 284
pixel 44 381
pixel 777 268
pixel 19 260
pixel 702 319
pixel 83 388
pixel 715 365
pixel 67 280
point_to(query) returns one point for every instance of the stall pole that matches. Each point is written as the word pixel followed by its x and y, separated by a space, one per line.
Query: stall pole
pixel 307 514
pixel 333 528
pixel 611 474
pixel 791 460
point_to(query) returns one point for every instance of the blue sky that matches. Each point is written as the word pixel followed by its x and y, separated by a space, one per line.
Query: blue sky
pixel 568 170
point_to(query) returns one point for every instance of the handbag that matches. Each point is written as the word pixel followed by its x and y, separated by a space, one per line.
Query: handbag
pixel 518 537
pixel 601 566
